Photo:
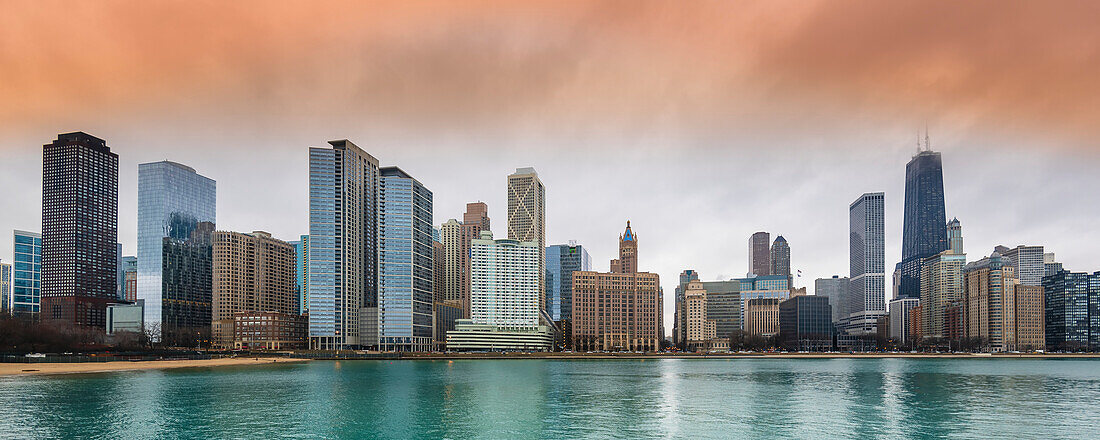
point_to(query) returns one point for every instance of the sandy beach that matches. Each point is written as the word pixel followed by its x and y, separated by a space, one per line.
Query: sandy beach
pixel 9 369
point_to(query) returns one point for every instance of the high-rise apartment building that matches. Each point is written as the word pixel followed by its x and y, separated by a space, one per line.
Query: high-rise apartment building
pixel 781 257
pixel 1029 263
pixel 836 289
pixel 527 216
pixel 1072 315
pixel 405 288
pixel 923 234
pixel 561 261
pixel 343 244
pixel 301 285
pixel 252 273
pixel 176 217
pixel 941 283
pixel 618 310
pixel 1000 311
pixel 760 262
pixel 679 322
pixel 79 230
pixel 456 243
pixel 26 275
pixel 439 266
pixel 504 299
pixel 867 280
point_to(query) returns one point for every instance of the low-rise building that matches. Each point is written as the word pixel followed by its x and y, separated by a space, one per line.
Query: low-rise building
pixel 268 330
pixel 805 323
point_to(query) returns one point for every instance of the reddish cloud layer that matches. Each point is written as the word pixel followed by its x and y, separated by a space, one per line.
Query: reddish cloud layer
pixel 1001 65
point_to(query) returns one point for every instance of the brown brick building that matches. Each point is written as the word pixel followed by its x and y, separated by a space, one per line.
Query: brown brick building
pixel 252 273
pixel 456 252
pixel 620 310
pixel 269 331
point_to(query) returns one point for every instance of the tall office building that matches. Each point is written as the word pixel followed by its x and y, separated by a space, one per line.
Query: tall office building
pixel 343 244
pixel 760 254
pixel 836 289
pixel 5 288
pixel 405 290
pixel 998 310
pixel 79 230
pixel 176 218
pixel 1072 315
pixel 941 284
pixel 504 298
pixel 762 316
pixel 1028 261
pixel 26 275
pixel 781 257
pixel 901 324
pixel 129 279
pixel 724 306
pixel 867 280
pixel 923 234
pixel 252 273
pixel 561 261
pixel 527 216
pixel 620 309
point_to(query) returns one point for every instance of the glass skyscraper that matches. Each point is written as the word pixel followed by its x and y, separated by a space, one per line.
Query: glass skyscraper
pixel 26 274
pixel 1072 311
pixel 561 261
pixel 176 217
pixel 5 288
pixel 923 231
pixel 343 191
pixel 866 299
pixel 404 263
pixel 301 249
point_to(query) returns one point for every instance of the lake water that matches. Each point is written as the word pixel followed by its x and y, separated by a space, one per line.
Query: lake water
pixel 545 399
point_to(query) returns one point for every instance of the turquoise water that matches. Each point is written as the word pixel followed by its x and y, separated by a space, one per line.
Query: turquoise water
pixel 535 399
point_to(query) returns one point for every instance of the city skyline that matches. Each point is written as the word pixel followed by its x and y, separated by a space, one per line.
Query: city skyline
pixel 661 145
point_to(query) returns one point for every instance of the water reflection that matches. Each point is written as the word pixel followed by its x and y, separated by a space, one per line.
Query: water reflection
pixel 519 399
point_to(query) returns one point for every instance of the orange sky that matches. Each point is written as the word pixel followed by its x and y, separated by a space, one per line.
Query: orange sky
pixel 998 65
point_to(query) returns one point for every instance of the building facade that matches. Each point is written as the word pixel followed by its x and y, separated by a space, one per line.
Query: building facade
pixel 780 257
pixel 619 310
pixel 1028 261
pixel 26 275
pixel 268 330
pixel 1072 312
pixel 923 234
pixel 561 261
pixel 129 279
pixel 176 214
pixel 79 230
pixel 760 262
pixel 301 285
pixel 252 273
pixel 762 316
pixel 724 306
pixel 901 324
pixel 405 290
pixel 343 215
pixel 836 289
pixel 941 283
pixel 456 242
pixel 679 319
pixel 805 323
pixel 998 311
pixel 866 300
pixel 5 288
pixel 527 217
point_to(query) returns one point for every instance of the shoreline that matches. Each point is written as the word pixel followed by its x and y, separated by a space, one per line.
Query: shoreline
pixel 50 368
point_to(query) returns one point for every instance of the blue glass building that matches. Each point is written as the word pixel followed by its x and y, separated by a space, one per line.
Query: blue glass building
pixel 26 274
pixel 404 262
pixel 923 231
pixel 1072 312
pixel 343 245
pixel 561 261
pixel 173 203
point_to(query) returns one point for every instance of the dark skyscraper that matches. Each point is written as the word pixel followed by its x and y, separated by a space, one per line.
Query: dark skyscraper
pixel 781 257
pixel 760 262
pixel 923 231
pixel 79 229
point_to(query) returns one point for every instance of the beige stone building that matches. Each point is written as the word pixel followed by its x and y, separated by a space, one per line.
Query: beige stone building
pixel 456 253
pixel 762 316
pixel 619 310
pixel 252 273
pixel 699 329
pixel 998 310
pixel 527 216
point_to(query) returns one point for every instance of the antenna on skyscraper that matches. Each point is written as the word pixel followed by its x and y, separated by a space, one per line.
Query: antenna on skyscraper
pixel 927 141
